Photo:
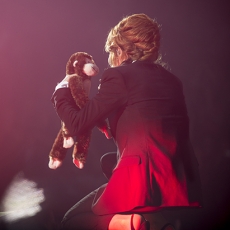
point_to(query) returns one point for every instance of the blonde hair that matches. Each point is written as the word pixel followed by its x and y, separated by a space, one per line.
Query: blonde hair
pixel 138 36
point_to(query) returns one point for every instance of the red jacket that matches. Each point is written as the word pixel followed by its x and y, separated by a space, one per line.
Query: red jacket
pixel 148 117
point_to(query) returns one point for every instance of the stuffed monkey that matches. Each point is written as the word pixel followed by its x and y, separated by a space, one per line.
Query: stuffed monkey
pixel 80 67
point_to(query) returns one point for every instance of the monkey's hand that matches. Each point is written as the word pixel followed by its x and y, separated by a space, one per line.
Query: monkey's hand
pixel 68 142
pixel 54 163
pixel 78 163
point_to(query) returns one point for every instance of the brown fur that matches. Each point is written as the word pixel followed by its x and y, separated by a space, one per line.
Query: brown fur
pixel 80 149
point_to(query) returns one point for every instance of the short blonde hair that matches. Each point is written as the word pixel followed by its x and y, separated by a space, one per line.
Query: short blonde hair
pixel 137 35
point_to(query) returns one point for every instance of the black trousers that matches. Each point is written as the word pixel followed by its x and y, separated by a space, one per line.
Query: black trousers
pixel 80 216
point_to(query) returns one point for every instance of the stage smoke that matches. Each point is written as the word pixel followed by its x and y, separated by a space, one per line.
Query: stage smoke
pixel 22 199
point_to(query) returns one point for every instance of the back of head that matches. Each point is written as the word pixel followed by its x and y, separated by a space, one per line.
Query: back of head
pixel 137 35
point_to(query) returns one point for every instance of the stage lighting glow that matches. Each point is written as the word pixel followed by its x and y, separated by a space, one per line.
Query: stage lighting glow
pixel 22 199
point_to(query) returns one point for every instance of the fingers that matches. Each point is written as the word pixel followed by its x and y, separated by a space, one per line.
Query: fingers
pixel 54 163
pixel 78 164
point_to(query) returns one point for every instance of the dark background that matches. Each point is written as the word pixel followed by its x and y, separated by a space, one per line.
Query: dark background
pixel 36 40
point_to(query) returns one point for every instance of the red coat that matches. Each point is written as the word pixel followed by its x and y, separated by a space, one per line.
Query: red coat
pixel 148 117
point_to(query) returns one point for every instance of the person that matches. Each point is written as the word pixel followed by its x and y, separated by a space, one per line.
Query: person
pixel 154 167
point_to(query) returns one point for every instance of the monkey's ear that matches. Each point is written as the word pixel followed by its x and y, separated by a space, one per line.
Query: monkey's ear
pixel 75 63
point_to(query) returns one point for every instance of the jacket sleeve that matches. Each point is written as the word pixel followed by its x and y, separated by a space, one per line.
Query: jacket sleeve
pixel 112 94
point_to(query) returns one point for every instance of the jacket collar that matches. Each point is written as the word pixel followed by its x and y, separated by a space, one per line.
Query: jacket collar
pixel 130 61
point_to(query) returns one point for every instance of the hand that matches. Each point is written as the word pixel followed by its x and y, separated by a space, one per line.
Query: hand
pixel 54 163
pixel 78 163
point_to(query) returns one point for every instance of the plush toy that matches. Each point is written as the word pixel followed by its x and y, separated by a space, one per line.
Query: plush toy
pixel 80 68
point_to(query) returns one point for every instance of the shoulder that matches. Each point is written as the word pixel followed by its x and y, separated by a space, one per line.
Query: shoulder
pixel 113 72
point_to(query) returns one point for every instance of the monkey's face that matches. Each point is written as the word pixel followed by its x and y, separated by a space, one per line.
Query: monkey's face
pixel 90 68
